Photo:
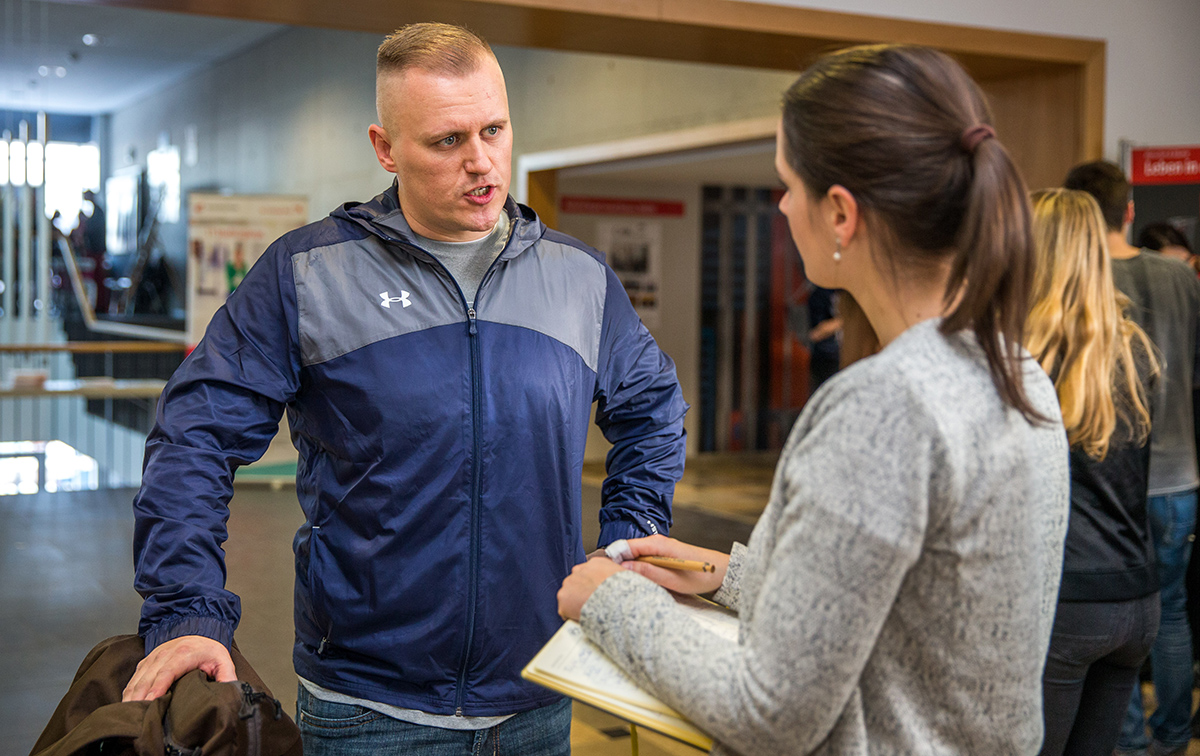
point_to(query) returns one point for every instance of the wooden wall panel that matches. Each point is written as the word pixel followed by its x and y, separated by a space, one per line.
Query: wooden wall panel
pixel 1039 118
pixel 543 196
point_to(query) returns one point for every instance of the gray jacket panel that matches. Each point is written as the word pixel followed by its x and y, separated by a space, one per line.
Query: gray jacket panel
pixel 568 286
pixel 356 293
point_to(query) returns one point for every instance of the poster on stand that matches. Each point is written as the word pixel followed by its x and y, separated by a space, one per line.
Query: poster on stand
pixel 226 235
pixel 633 250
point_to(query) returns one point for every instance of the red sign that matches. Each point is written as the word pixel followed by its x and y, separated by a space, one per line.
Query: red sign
pixel 1166 165
pixel 619 206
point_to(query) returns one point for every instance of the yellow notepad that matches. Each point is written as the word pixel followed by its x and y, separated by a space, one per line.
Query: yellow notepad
pixel 574 666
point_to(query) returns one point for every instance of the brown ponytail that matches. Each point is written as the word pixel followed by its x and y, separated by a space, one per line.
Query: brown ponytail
pixel 908 133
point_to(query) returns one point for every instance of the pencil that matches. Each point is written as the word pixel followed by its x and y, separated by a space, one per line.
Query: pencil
pixel 673 563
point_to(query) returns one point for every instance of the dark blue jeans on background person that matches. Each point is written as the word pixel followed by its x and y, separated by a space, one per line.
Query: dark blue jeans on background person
pixel 1172 522
pixel 1096 650
pixel 336 729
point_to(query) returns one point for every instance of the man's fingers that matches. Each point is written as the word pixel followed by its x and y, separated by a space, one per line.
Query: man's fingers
pixel 223 671
pixel 172 660
pixel 146 683
pixel 160 685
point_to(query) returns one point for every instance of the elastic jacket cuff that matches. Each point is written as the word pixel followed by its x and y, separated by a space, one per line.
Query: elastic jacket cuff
pixel 618 529
pixel 208 627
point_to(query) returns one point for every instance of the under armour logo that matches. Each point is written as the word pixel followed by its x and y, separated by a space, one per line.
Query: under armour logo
pixel 402 299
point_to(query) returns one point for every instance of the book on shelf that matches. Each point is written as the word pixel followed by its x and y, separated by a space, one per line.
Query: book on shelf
pixel 571 664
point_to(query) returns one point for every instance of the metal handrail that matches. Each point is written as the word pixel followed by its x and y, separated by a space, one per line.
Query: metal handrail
pixel 95 347
pixel 104 326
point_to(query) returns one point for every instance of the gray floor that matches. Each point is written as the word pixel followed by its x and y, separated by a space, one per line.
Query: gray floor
pixel 66 583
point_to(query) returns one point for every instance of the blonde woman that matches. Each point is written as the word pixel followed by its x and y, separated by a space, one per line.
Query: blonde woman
pixel 1100 361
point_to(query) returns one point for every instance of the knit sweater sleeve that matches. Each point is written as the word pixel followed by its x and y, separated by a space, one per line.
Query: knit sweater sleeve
pixel 731 587
pixel 846 522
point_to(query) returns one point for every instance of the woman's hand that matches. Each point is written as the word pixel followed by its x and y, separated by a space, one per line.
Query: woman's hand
pixel 677 580
pixel 582 583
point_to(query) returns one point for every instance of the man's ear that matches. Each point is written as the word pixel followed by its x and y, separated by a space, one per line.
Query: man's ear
pixel 843 215
pixel 383 147
pixel 1128 214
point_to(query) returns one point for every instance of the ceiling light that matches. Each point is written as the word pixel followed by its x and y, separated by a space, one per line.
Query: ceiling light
pixel 90 40
pixel 60 72
pixel 43 70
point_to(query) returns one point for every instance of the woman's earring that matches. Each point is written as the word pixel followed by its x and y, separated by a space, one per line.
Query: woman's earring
pixel 837 250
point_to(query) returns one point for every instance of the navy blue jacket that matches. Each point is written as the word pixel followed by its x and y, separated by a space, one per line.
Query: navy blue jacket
pixel 440 453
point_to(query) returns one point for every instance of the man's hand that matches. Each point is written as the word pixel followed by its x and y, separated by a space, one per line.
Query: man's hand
pixel 172 660
pixel 825 329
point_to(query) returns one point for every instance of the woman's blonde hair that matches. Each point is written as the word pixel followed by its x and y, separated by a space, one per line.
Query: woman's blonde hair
pixel 1078 329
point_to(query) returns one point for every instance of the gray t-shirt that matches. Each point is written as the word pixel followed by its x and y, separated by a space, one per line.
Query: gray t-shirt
pixel 897 594
pixel 1166 304
pixel 469 261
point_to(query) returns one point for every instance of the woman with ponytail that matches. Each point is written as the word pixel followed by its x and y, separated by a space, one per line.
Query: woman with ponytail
pixel 1100 362
pixel 898 591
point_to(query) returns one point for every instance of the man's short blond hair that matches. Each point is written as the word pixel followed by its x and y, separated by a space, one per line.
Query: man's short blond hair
pixel 437 48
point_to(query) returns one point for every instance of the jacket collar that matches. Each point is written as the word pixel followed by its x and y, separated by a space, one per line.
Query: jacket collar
pixel 383 217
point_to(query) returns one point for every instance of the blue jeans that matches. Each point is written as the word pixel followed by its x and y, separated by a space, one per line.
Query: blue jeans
pixel 335 729
pixel 1096 650
pixel 1172 522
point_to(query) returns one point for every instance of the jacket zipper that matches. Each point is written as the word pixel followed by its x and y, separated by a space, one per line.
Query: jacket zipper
pixel 476 474
pixel 476 506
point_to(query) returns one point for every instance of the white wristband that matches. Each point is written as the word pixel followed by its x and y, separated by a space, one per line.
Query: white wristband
pixel 619 551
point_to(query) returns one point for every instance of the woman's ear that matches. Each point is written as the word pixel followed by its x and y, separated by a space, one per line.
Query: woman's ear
pixel 841 210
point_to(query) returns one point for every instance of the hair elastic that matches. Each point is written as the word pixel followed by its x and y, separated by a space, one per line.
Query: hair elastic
pixel 972 136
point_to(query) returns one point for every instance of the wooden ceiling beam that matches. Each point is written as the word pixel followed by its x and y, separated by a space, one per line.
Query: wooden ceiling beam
pixel 710 31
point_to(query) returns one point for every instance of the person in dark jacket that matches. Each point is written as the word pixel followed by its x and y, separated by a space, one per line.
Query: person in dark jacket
pixel 1101 363
pixel 438 351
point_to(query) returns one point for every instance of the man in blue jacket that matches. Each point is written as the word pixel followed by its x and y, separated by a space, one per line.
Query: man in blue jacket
pixel 437 351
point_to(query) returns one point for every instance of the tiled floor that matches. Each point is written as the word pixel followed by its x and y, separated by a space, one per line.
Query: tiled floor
pixel 66 583
pixel 66 573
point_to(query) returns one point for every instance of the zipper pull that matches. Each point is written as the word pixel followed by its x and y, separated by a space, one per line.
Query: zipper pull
pixel 323 645
pixel 471 320
pixel 458 712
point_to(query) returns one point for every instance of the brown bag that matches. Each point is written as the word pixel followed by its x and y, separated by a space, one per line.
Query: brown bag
pixel 197 717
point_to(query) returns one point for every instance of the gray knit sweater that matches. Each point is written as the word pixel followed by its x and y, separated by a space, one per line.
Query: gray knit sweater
pixel 897 595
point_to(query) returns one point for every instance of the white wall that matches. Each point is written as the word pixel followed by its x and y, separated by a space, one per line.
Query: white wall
pixel 1153 60
pixel 288 116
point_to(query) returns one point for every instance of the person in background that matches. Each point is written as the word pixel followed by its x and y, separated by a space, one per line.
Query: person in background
pixel 1169 241
pixel 824 336
pixel 1166 304
pixel 897 593
pixel 91 244
pixel 438 351
pixel 1101 363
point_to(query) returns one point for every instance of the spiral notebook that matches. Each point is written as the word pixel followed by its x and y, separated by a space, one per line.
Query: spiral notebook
pixel 571 664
